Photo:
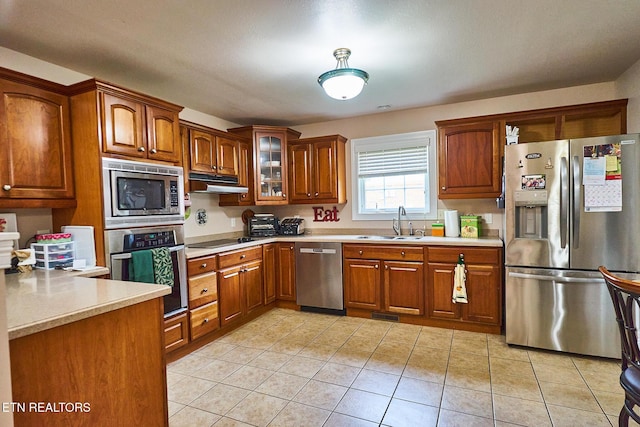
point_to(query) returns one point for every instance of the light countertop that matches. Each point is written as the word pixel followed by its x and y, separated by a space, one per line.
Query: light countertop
pixel 347 238
pixel 44 299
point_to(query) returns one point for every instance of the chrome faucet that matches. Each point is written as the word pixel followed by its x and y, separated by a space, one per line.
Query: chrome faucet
pixel 396 221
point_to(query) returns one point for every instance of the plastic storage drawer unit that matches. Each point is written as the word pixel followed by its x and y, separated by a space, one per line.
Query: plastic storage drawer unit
pixel 50 256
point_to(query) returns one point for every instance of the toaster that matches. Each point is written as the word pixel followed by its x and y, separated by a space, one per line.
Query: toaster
pixel 263 225
pixel 292 226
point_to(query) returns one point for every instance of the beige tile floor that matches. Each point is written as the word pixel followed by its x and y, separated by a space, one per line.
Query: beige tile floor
pixel 290 368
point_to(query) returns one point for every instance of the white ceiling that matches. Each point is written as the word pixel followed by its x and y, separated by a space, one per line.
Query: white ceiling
pixel 257 61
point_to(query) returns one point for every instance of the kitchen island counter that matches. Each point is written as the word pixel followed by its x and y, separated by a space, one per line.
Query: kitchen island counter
pixel 44 299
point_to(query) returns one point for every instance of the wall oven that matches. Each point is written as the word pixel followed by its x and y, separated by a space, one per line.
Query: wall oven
pixel 140 194
pixel 120 244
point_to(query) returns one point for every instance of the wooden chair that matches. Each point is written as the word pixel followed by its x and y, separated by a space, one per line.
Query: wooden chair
pixel 625 295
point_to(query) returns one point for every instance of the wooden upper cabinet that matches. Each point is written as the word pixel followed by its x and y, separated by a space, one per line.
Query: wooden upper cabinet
pixel 575 121
pixel 211 152
pixel 245 178
pixel 202 151
pixel 138 127
pixel 226 156
pixel 469 160
pixel 35 135
pixel 123 126
pixel 470 149
pixel 163 134
pixel 268 164
pixel 317 170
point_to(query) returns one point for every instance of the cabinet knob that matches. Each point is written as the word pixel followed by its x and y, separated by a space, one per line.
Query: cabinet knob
pixel 290 248
pixel 203 265
pixel 204 290
pixel 376 267
pixel 317 194
pixel 402 253
pixel 214 167
pixel 386 267
pixel 243 256
pixel 360 252
pixel 284 196
pixel 206 320
pixel 153 151
pixel 243 196
pixel 443 188
pixel 6 187
pixel 308 194
pixel 141 149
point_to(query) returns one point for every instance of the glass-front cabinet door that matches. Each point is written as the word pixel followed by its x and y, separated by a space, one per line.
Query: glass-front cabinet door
pixel 271 162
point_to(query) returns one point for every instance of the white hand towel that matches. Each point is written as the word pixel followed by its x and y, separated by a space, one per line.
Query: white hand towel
pixel 459 288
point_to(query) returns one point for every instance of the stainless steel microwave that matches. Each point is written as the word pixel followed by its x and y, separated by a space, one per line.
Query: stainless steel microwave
pixel 141 194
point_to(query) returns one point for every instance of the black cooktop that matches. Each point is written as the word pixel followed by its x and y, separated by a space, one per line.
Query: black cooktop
pixel 218 243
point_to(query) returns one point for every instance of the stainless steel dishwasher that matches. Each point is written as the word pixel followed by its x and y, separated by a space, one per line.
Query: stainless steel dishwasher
pixel 319 277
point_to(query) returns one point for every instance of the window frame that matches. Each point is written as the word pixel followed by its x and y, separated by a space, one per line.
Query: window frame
pixel 391 142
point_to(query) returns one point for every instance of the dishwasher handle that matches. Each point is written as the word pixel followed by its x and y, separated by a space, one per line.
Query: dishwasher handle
pixel 317 251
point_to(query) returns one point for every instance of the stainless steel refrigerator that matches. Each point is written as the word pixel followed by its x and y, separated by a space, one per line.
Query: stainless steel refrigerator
pixel 568 211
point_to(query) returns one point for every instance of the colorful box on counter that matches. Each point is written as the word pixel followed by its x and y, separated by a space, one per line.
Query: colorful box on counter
pixel 470 226
pixel 53 238
pixel 437 229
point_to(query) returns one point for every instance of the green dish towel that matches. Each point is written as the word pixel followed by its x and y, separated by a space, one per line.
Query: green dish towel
pixel 141 267
pixel 162 266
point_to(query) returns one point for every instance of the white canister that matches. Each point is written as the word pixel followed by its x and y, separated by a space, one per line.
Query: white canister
pixel 451 223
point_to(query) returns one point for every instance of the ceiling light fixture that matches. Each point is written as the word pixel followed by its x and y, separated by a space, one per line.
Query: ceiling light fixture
pixel 343 83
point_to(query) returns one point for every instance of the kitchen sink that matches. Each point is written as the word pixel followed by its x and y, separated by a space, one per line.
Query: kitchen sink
pixel 390 237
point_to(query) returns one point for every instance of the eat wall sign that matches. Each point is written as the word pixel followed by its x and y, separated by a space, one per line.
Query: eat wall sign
pixel 320 214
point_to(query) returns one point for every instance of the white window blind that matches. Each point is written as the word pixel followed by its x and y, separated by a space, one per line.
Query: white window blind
pixel 393 161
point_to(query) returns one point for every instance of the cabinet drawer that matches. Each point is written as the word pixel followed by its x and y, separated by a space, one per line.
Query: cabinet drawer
pixel 176 332
pixel 201 265
pixel 229 259
pixel 203 289
pixel 387 252
pixel 204 319
pixel 472 255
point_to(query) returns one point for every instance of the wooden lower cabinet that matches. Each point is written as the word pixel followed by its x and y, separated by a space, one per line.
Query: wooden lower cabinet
pixel 269 271
pixel 176 332
pixel 240 286
pixel 404 287
pixel 393 283
pixel 286 271
pixel 204 319
pixel 230 295
pixel 483 284
pixel 203 295
pixel 362 284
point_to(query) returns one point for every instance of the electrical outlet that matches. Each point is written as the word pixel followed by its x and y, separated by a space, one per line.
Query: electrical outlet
pixel 233 222
pixel 488 218
pixel 440 213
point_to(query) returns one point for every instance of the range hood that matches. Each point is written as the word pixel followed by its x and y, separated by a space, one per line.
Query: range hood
pixel 217 184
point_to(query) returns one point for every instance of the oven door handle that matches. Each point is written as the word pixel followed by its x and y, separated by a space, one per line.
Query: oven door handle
pixel 127 255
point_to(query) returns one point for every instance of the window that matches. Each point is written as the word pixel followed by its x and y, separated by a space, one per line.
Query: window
pixel 391 171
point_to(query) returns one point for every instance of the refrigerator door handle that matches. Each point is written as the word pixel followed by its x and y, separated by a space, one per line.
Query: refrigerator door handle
pixel 564 199
pixel 555 278
pixel 576 202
